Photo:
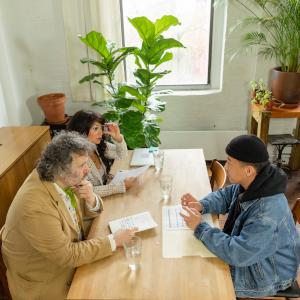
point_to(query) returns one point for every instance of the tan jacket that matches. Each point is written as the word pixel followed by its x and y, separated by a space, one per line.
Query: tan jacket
pixel 40 244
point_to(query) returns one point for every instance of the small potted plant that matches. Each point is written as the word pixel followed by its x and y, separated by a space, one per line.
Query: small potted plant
pixel 257 88
pixel 265 99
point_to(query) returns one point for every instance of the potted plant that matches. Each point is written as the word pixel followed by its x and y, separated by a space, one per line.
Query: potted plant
pixel 135 113
pixel 278 37
pixel 260 87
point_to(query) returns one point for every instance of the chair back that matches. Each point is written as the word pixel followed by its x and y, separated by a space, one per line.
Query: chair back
pixel 296 211
pixel 218 175
pixel 3 269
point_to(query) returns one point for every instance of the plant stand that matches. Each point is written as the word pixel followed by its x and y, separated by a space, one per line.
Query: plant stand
pixel 55 128
pixel 259 122
pixel 280 141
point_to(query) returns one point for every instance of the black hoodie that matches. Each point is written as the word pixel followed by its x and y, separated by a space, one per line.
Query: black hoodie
pixel 269 182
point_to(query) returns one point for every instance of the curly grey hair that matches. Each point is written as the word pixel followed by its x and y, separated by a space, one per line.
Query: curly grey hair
pixel 57 156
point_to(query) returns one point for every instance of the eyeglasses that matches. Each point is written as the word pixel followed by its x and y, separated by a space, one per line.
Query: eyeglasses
pixel 97 128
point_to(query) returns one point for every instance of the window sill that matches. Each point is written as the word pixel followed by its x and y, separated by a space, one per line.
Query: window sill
pixel 194 92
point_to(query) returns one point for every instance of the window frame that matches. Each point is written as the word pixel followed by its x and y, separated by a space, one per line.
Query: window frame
pixel 213 82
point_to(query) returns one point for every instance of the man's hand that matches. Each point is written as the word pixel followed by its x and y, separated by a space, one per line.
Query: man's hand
pixel 129 182
pixel 122 235
pixel 191 202
pixel 194 218
pixel 86 192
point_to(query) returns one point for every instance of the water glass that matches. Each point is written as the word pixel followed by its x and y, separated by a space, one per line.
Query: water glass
pixel 158 159
pixel 165 183
pixel 133 251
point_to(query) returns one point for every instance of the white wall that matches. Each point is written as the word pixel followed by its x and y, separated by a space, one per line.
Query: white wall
pixel 226 110
pixel 18 86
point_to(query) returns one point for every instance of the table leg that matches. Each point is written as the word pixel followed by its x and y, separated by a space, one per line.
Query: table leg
pixel 263 126
pixel 295 155
pixel 252 127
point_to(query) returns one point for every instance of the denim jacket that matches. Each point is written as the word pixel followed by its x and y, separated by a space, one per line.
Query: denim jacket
pixel 263 251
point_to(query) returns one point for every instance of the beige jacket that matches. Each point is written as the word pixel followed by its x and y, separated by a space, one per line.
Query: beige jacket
pixel 40 244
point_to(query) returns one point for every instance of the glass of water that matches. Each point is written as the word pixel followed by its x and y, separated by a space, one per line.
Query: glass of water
pixel 133 251
pixel 158 159
pixel 165 183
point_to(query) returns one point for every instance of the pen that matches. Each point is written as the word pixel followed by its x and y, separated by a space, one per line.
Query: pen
pixel 88 179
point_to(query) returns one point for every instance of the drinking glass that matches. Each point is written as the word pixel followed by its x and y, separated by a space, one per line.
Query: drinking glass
pixel 133 251
pixel 165 182
pixel 158 159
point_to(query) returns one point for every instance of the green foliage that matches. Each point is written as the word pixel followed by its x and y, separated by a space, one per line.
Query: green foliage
pixel 278 35
pixel 137 121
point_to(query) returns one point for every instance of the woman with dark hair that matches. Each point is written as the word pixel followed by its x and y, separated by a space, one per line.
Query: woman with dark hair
pixel 90 124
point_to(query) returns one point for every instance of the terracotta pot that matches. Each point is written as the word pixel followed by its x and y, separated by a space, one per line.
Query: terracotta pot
pixel 285 86
pixel 53 106
pixel 253 94
pixel 269 105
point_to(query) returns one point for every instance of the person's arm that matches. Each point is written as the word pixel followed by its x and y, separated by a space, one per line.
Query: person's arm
pixel 243 250
pixel 110 189
pixel 219 202
pixel 117 150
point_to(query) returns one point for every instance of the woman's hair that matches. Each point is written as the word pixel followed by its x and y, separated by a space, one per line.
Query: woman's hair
pixel 82 122
pixel 57 156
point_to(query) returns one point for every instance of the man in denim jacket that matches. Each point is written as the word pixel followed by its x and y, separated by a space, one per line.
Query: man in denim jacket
pixel 259 240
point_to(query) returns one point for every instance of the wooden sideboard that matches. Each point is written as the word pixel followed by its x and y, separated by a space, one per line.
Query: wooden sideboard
pixel 20 148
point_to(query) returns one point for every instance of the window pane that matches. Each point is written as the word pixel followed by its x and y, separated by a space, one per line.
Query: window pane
pixel 190 64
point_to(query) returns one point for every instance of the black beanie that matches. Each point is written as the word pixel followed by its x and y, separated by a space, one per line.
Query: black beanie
pixel 248 148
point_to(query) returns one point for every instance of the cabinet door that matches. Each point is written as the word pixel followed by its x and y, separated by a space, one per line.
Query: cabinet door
pixel 30 157
pixel 42 141
pixel 10 183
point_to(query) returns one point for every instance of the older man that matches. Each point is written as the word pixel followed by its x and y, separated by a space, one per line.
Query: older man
pixel 43 239
pixel 259 240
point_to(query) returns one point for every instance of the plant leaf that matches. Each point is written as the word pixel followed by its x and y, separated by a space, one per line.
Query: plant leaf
pixel 151 117
pixel 168 56
pixel 133 132
pixel 96 63
pixel 137 61
pixel 145 28
pixel 162 45
pixel 151 141
pixel 164 24
pixel 131 119
pixel 96 41
pixel 134 92
pixel 155 104
pixel 110 116
pixel 135 142
pixel 138 104
pixel 91 77
pixel 151 129
pixel 120 103
pixel 102 103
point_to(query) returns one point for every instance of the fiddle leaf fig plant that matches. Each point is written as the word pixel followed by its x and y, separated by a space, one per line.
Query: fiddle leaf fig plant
pixel 135 113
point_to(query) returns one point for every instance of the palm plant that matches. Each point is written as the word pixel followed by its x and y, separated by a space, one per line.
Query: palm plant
pixel 136 114
pixel 279 31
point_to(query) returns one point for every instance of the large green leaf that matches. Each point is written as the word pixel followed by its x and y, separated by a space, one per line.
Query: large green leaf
pixel 147 75
pixel 102 103
pixel 162 45
pixel 131 119
pixel 96 41
pixel 168 56
pixel 164 24
pixel 135 142
pixel 134 92
pixel 138 104
pixel 155 104
pixel 137 61
pixel 151 141
pixel 151 129
pixel 120 103
pixel 142 56
pixel 133 132
pixel 91 77
pixel 111 116
pixel 151 117
pixel 96 63
pixel 145 28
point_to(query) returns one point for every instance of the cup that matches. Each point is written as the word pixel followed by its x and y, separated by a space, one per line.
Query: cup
pixel 165 183
pixel 133 251
pixel 158 159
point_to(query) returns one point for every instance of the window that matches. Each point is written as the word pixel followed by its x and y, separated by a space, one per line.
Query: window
pixel 191 65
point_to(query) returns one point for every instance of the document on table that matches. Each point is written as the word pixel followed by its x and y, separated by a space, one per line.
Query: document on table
pixel 174 221
pixel 123 174
pixel 143 221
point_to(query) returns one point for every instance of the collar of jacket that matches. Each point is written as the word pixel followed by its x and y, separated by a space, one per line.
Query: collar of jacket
pixel 59 202
pixel 248 204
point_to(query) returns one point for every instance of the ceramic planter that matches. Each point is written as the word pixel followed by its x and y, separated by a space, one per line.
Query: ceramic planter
pixel 285 86
pixel 53 106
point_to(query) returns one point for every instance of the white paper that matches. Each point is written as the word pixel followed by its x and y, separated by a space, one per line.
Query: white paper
pixel 174 221
pixel 143 221
pixel 123 174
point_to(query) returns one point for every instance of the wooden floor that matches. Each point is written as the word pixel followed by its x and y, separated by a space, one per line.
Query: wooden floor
pixel 292 193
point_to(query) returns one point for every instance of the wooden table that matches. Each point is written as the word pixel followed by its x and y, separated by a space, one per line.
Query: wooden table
pixel 158 278
pixel 259 122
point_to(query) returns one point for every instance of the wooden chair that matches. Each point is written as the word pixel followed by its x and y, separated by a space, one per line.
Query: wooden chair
pixel 218 175
pixel 293 291
pixel 3 269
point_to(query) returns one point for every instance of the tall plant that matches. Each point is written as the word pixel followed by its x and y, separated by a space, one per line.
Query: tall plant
pixel 279 34
pixel 135 114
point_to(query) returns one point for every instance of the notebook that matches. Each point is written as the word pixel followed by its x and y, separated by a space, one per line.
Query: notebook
pixel 141 157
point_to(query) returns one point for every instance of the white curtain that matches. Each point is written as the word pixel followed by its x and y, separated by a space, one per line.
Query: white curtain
pixel 80 18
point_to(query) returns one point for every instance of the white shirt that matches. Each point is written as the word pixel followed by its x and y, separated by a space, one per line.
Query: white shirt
pixel 75 218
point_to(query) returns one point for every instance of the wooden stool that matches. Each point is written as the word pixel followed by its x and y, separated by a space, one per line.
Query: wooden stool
pixel 259 122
